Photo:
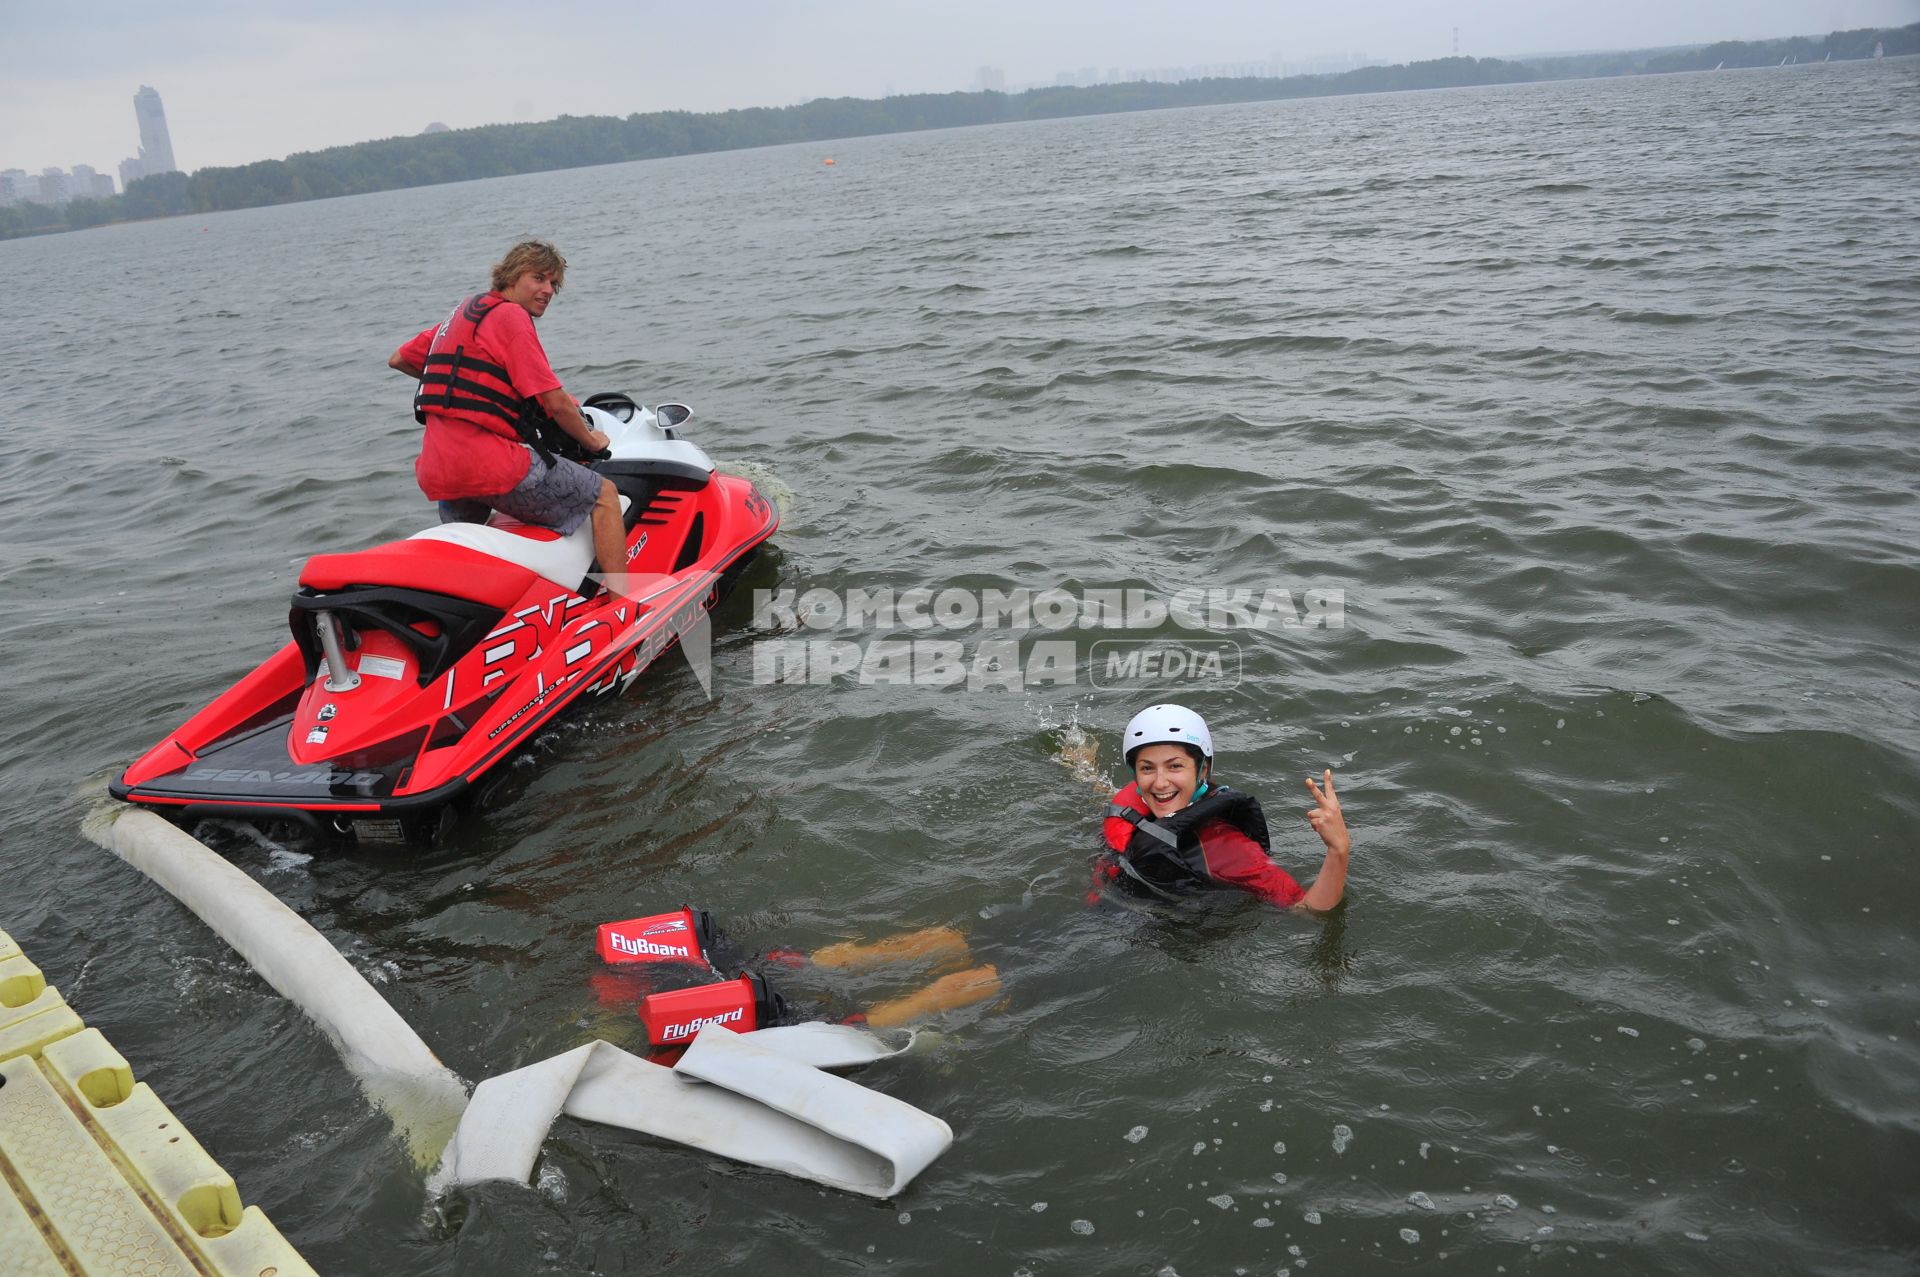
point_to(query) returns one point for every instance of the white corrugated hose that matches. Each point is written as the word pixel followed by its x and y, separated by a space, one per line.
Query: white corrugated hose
pixel 761 1098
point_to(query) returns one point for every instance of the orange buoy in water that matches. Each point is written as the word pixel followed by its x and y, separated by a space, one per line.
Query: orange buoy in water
pixel 829 161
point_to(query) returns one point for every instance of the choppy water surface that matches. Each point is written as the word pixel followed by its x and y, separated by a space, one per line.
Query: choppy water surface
pixel 1596 400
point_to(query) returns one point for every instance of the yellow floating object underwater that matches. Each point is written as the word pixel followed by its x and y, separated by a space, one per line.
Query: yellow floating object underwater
pixel 948 993
pixel 102 1178
pixel 929 944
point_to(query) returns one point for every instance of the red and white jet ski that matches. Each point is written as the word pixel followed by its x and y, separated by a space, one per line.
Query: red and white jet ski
pixel 419 666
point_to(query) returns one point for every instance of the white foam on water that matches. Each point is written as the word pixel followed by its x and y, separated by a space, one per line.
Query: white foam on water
pixel 1408 1236
pixel 1421 1200
pixel 1135 1135
pixel 1084 1227
pixel 1223 1200
pixel 1342 1136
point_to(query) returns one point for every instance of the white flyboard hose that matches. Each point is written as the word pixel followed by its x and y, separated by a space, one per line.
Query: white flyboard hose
pixel 760 1098
pixel 751 1097
pixel 402 1077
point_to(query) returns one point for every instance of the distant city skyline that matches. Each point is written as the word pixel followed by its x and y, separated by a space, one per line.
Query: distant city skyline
pixel 54 185
pixel 249 82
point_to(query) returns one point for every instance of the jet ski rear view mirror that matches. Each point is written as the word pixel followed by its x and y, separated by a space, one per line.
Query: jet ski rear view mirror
pixel 671 416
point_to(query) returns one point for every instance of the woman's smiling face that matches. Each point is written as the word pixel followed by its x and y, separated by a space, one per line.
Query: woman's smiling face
pixel 1166 776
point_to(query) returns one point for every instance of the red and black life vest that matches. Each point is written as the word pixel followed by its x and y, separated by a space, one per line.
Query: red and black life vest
pixel 458 384
pixel 1163 853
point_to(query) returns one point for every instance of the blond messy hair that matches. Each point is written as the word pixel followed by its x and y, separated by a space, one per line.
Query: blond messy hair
pixel 529 255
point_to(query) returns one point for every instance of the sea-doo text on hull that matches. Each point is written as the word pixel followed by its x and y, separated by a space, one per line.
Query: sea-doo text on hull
pixel 418 666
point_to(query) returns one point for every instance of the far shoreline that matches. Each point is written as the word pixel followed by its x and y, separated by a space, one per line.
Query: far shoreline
pixel 505 150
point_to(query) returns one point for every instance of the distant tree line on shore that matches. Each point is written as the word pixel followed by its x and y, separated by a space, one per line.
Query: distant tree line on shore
pixel 499 150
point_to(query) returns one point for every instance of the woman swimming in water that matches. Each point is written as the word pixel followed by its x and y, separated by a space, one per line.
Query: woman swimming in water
pixel 1173 830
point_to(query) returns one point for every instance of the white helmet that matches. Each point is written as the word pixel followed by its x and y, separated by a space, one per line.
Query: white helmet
pixel 1166 725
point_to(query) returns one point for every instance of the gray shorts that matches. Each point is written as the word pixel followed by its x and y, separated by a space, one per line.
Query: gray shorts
pixel 559 496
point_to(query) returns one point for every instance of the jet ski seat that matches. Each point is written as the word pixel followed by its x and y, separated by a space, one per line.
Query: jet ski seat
pixel 491 563
pixel 564 561
pixel 414 565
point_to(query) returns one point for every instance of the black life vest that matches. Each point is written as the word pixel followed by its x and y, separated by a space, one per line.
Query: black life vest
pixel 1163 853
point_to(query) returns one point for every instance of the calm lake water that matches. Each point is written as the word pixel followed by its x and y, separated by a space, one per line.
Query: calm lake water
pixel 1595 403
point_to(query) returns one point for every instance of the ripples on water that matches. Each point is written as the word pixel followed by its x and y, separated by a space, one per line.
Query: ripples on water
pixel 1596 399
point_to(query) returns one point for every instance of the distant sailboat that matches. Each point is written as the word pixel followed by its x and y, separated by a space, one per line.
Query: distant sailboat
pixel 1723 63
pixel 1783 61
pixel 1828 58
pixel 1879 48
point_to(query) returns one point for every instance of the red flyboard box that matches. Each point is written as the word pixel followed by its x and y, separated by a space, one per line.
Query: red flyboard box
pixel 684 935
pixel 742 1005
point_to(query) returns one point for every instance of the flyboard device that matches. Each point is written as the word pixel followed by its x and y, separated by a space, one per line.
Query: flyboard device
pixel 682 943
pixel 743 1005
pixel 684 936
pixel 762 1098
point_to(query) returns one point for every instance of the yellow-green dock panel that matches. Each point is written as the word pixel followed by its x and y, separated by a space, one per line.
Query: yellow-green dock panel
pixel 101 1179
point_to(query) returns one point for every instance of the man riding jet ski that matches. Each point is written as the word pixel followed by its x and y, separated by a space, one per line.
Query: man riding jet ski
pixel 496 415
pixel 421 665
pixel 417 667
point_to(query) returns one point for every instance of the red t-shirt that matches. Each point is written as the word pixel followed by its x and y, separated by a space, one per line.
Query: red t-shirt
pixel 1236 860
pixel 459 459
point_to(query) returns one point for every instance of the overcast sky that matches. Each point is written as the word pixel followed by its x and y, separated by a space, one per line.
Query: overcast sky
pixel 258 79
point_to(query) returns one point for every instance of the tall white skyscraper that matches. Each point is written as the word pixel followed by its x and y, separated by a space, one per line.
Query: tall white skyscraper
pixel 156 147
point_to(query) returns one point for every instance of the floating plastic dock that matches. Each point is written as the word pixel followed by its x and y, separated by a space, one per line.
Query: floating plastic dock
pixel 102 1180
